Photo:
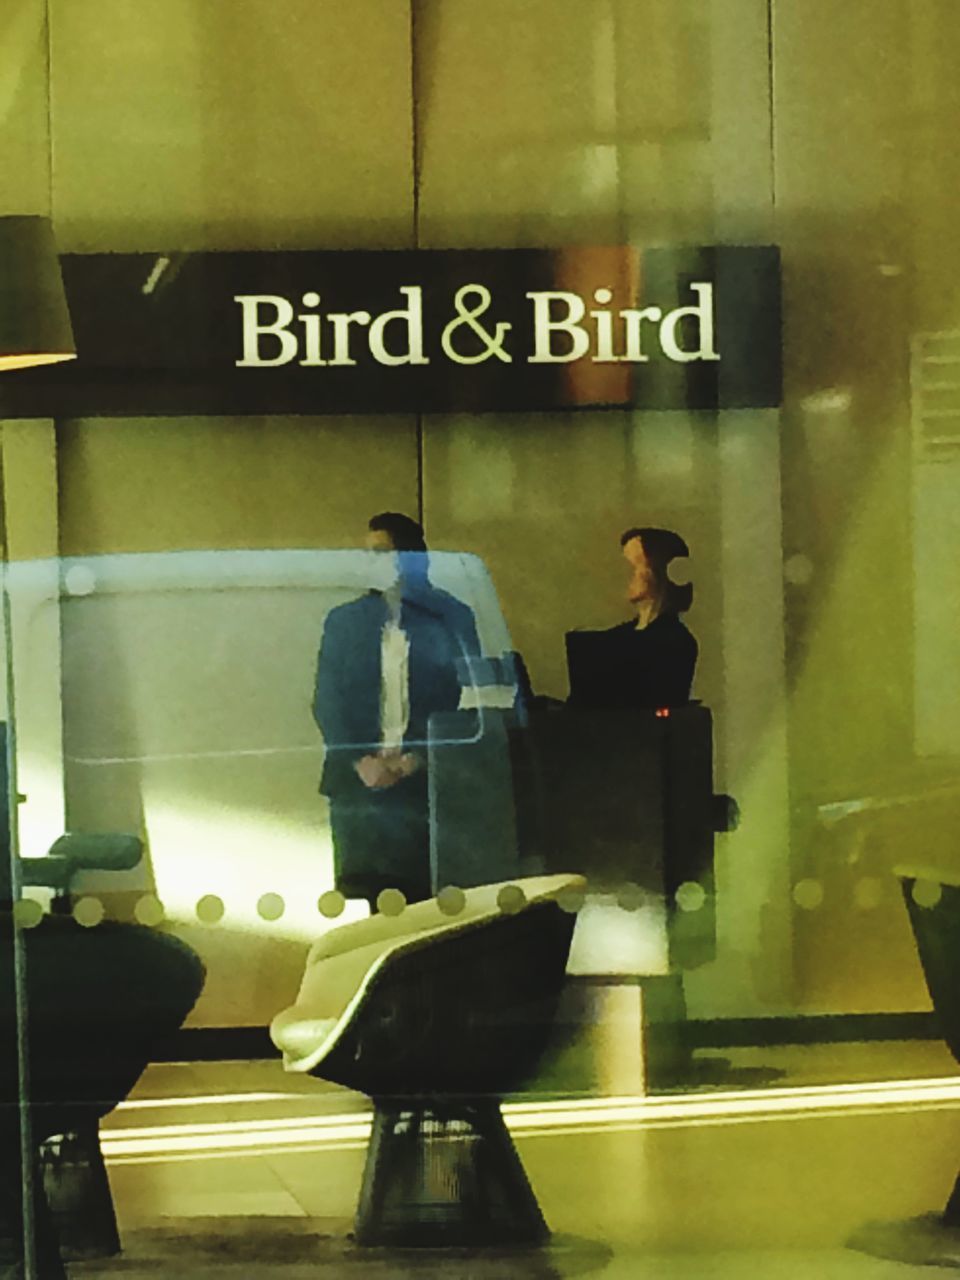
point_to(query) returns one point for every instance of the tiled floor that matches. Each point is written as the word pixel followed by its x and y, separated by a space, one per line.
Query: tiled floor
pixel 255 1173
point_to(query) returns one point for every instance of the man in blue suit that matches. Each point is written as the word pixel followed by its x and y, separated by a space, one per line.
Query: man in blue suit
pixel 387 662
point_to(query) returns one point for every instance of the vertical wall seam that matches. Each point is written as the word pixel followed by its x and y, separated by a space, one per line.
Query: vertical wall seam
pixel 415 176
pixel 48 68
pixel 771 105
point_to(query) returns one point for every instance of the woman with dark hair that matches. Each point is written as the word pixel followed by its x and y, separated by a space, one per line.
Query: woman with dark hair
pixel 648 661
pixel 649 551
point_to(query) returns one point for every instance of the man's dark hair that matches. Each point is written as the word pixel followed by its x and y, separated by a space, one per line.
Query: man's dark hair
pixel 660 546
pixel 405 533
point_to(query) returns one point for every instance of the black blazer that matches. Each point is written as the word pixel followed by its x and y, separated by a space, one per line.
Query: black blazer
pixel 346 705
pixel 627 669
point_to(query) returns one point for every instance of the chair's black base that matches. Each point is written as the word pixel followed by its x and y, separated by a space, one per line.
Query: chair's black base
pixel 78 1193
pixel 445 1173
pixel 48 1264
pixel 951 1213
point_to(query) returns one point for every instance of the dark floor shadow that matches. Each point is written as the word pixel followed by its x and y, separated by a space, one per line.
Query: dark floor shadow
pixel 715 1073
pixel 923 1241
pixel 295 1248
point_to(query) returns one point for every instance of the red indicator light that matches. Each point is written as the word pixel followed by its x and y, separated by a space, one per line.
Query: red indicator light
pixel 662 712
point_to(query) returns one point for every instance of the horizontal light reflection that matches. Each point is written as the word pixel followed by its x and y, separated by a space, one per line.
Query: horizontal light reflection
pixel 934 1084
pixel 342 1132
pixel 204 1100
pixel 221 1127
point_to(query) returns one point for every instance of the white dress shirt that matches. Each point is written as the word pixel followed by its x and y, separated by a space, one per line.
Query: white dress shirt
pixel 394 680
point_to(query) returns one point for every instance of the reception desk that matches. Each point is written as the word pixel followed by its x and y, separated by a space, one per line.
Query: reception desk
pixel 625 799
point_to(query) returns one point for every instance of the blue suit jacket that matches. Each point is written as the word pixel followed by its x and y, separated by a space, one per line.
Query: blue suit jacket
pixel 346 705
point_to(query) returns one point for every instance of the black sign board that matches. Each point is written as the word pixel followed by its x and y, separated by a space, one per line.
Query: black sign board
pixel 432 331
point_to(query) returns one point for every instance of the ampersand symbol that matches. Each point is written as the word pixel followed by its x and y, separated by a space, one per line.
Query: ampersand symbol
pixel 468 315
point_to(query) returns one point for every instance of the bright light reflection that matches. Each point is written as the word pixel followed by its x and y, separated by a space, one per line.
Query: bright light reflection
pixel 343 1132
pixel 203 1100
pixel 244 852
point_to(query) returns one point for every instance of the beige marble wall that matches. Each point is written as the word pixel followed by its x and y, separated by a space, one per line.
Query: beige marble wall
pixel 193 124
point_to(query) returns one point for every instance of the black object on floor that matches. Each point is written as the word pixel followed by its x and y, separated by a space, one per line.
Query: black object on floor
pixel 78 1193
pixel 445 1174
pixel 935 920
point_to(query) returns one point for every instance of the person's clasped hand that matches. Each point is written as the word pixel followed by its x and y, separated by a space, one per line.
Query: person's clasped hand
pixel 386 768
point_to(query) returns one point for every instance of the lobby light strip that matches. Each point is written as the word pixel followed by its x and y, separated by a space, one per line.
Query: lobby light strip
pixel 937 1086
pixel 556 1118
pixel 208 1100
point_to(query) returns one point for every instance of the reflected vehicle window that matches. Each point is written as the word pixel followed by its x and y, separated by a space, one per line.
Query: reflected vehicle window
pixel 188 687
pixel 389 660
pixel 649 661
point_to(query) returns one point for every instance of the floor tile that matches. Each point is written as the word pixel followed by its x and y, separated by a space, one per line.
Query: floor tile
pixel 232 1186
